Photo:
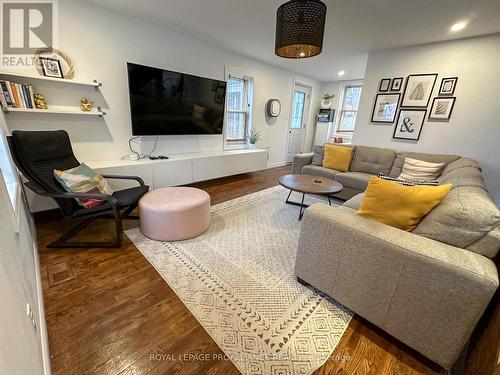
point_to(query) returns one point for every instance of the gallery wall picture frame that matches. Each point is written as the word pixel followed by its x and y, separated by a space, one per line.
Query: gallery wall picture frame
pixel 442 108
pixel 418 90
pixel 385 84
pixel 409 124
pixel 51 67
pixel 448 86
pixel 397 83
pixel 385 108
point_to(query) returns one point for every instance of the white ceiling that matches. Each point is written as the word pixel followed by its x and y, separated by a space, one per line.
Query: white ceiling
pixel 354 27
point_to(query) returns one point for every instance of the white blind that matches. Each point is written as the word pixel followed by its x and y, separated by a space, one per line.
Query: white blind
pixel 236 108
pixel 349 110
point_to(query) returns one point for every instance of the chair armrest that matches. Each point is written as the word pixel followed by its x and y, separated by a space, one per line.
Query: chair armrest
pixel 425 293
pixel 300 161
pixel 135 178
pixel 68 195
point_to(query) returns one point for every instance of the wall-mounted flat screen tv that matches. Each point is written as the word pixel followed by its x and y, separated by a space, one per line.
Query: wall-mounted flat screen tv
pixel 163 102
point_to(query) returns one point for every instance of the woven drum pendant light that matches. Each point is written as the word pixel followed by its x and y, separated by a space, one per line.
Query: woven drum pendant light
pixel 300 26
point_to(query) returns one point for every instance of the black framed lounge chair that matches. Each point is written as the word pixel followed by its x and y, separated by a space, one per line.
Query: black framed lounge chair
pixel 36 155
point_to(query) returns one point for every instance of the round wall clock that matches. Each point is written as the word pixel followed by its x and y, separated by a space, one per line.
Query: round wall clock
pixel 273 107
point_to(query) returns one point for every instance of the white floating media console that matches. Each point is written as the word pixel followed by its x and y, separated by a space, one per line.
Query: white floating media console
pixel 180 169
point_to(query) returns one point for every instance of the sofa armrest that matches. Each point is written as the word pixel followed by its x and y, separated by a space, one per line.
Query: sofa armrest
pixel 300 161
pixel 425 293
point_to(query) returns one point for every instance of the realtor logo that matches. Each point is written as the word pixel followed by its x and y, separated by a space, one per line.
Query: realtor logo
pixel 26 27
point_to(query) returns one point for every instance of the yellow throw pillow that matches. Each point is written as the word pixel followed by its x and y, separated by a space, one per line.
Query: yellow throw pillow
pixel 337 157
pixel 400 206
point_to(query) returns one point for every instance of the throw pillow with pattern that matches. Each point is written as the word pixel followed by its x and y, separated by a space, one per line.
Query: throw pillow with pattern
pixel 83 179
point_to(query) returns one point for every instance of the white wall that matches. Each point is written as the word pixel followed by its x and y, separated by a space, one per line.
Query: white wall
pixel 100 42
pixel 474 127
pixel 23 350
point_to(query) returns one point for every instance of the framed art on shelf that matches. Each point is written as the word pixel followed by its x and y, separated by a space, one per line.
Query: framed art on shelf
pixel 384 85
pixel 409 124
pixel 441 108
pixel 418 90
pixel 384 108
pixel 397 83
pixel 448 85
pixel 51 67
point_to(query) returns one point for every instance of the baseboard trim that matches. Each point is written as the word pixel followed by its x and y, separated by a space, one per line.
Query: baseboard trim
pixel 278 164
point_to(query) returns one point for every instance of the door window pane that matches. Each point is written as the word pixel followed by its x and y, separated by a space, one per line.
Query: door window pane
pixel 298 109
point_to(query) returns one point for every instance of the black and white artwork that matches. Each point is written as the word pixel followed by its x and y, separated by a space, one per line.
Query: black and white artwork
pixel 418 90
pixel 397 83
pixel 409 124
pixel 51 67
pixel 448 86
pixel 384 109
pixel 384 85
pixel 441 109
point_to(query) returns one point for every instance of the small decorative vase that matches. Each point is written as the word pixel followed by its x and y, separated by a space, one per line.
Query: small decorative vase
pixel 326 103
pixel 251 146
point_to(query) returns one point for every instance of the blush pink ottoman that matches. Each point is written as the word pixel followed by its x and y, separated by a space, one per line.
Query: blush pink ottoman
pixel 174 213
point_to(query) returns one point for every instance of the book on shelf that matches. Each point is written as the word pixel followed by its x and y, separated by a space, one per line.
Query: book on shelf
pixel 6 95
pixel 3 102
pixel 16 95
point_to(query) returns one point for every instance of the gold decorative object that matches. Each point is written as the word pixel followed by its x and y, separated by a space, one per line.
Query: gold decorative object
pixel 40 102
pixel 86 105
pixel 54 51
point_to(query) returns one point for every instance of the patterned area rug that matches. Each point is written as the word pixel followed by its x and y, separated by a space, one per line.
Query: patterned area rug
pixel 238 281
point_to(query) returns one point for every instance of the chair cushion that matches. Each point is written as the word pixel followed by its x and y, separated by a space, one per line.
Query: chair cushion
pixel 373 160
pixel 354 180
pixel 488 245
pixel 38 153
pixel 355 202
pixel 465 216
pixel 319 171
pixel 400 206
pixel 337 157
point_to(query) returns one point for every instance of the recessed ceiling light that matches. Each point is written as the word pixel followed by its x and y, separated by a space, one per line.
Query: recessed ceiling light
pixel 458 26
pixel 341 73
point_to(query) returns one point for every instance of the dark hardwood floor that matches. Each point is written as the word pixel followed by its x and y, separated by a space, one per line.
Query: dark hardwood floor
pixel 110 312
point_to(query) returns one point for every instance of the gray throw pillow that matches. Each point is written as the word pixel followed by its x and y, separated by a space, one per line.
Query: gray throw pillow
pixel 319 154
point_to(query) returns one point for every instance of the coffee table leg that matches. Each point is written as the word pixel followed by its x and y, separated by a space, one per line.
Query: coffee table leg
pixel 329 201
pixel 302 207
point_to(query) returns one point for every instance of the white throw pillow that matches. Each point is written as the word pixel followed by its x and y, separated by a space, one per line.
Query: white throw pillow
pixel 419 170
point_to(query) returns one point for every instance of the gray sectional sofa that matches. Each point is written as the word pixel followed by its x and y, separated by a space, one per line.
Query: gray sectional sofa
pixel 429 287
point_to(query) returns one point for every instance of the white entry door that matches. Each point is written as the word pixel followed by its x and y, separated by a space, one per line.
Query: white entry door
pixel 298 120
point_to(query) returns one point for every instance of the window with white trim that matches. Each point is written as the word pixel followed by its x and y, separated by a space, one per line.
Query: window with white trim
pixel 349 109
pixel 238 107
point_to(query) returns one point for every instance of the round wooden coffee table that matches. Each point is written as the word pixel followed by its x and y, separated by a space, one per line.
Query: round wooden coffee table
pixel 308 184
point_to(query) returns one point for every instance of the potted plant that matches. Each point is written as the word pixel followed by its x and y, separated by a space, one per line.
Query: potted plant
pixel 253 137
pixel 327 103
